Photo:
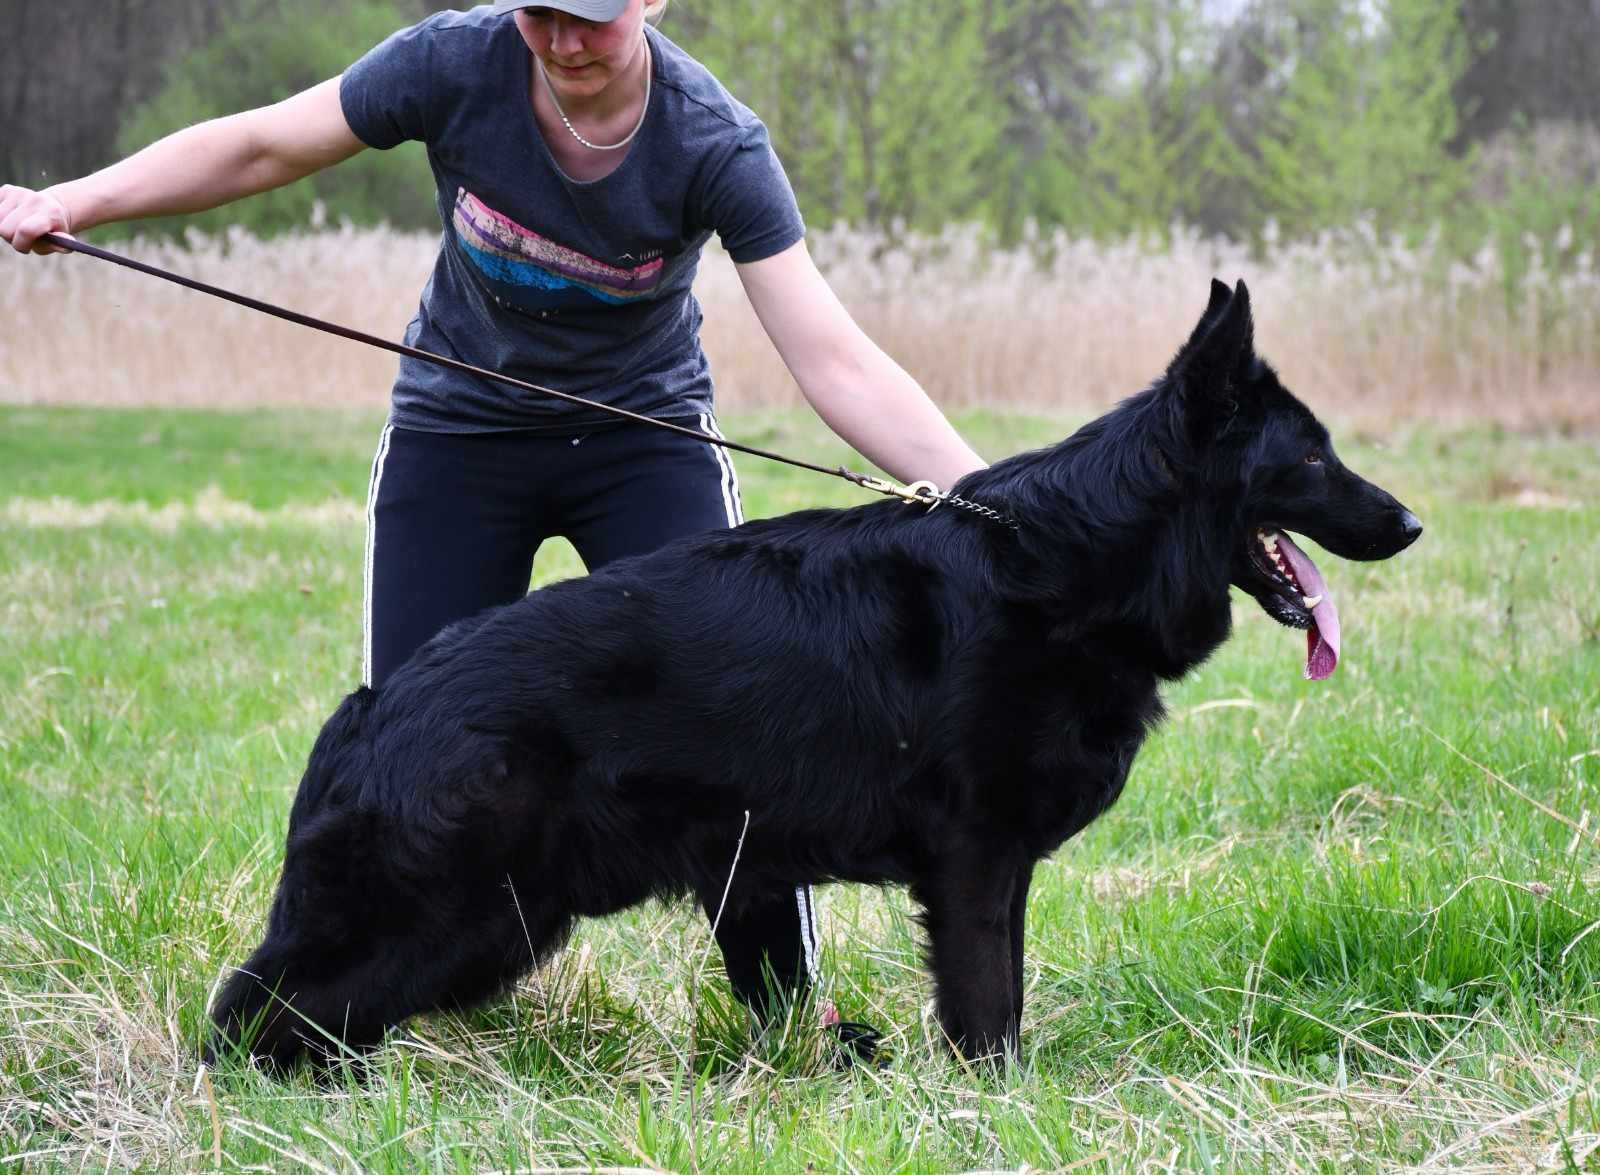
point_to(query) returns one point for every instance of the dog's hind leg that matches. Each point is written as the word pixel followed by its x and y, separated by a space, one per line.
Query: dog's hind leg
pixel 283 1009
pixel 289 1003
pixel 971 901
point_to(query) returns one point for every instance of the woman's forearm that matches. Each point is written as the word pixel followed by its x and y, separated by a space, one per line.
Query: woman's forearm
pixel 194 169
pixel 862 394
pixel 873 403
pixel 216 162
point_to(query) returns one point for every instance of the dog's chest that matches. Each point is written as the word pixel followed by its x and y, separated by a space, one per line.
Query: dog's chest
pixel 1086 780
pixel 1057 753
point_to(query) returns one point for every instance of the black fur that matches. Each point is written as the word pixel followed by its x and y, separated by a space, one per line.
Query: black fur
pixel 893 696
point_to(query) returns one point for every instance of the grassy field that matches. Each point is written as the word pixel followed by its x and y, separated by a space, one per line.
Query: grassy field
pixel 1340 926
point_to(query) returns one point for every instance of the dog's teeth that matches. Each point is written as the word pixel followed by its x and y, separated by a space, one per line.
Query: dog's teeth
pixel 1313 601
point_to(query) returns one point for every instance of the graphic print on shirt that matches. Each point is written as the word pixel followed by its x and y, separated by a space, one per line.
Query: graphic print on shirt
pixel 535 273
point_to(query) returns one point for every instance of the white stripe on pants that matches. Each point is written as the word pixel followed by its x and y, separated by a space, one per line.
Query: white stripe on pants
pixel 372 547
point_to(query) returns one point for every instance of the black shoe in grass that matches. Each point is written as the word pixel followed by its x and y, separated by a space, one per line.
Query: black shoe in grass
pixel 858 1044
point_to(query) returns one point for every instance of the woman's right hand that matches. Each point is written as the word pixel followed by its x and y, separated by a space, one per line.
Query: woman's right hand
pixel 26 215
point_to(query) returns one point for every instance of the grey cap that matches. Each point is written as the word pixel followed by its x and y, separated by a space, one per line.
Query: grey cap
pixel 597 10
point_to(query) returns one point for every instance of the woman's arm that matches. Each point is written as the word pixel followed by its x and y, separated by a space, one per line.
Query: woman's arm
pixel 862 394
pixel 200 167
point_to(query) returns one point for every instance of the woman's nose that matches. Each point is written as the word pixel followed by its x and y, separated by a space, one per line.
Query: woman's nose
pixel 565 36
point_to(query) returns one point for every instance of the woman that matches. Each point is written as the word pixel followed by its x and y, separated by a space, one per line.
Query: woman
pixel 582 160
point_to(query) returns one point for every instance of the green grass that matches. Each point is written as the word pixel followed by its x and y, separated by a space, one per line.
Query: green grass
pixel 1330 926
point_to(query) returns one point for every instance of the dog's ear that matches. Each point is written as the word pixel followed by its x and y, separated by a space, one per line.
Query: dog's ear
pixel 1220 294
pixel 1208 372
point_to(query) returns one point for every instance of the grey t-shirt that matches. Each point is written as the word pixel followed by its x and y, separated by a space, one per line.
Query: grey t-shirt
pixel 582 287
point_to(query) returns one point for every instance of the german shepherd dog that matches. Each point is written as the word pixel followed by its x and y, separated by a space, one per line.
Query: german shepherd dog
pixel 883 694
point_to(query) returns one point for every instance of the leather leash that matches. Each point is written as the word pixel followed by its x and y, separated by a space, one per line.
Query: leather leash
pixel 923 493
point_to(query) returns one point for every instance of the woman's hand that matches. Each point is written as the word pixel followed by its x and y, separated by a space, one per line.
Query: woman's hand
pixel 26 215
pixel 863 395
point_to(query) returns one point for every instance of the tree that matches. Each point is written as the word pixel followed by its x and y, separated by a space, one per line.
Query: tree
pixel 1161 152
pixel 70 69
pixel 273 49
pixel 883 111
pixel 1537 62
pixel 1367 116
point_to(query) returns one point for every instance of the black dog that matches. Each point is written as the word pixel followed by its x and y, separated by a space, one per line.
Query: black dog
pixel 879 694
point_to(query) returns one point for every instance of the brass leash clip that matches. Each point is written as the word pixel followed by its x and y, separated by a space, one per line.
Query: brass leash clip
pixel 921 493
pixel 924 493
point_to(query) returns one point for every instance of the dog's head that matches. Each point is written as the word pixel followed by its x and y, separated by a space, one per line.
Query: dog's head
pixel 1255 442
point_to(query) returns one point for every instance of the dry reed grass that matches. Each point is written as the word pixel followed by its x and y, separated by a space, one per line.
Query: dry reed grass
pixel 1370 332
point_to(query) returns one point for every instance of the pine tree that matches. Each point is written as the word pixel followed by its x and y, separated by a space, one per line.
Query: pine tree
pixel 1366 118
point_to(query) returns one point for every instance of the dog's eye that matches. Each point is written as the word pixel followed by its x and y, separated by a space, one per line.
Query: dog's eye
pixel 1314 457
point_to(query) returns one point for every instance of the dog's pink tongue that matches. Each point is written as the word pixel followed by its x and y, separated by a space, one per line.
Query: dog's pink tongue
pixel 1322 639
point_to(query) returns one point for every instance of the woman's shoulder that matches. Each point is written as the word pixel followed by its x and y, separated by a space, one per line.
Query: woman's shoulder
pixel 695 87
pixel 463 28
pixel 454 38
pixel 463 54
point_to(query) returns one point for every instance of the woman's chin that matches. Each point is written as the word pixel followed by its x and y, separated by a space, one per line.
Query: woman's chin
pixel 576 84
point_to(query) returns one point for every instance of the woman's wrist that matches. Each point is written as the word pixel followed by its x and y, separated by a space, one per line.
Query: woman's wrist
pixel 54 192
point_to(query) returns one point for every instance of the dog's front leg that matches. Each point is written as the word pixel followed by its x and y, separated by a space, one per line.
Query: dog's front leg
pixel 971 902
pixel 1019 924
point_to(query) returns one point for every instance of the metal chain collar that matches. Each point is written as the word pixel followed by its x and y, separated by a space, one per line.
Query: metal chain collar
pixel 925 493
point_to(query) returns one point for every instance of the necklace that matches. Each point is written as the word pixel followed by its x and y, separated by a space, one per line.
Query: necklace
pixel 550 91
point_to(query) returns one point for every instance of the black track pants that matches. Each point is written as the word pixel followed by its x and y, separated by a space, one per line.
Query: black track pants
pixel 453 523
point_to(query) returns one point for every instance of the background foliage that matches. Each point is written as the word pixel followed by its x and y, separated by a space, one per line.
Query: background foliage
pixel 1258 120
pixel 271 49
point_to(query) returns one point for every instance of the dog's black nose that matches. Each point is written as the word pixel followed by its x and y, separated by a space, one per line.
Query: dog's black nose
pixel 1410 529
